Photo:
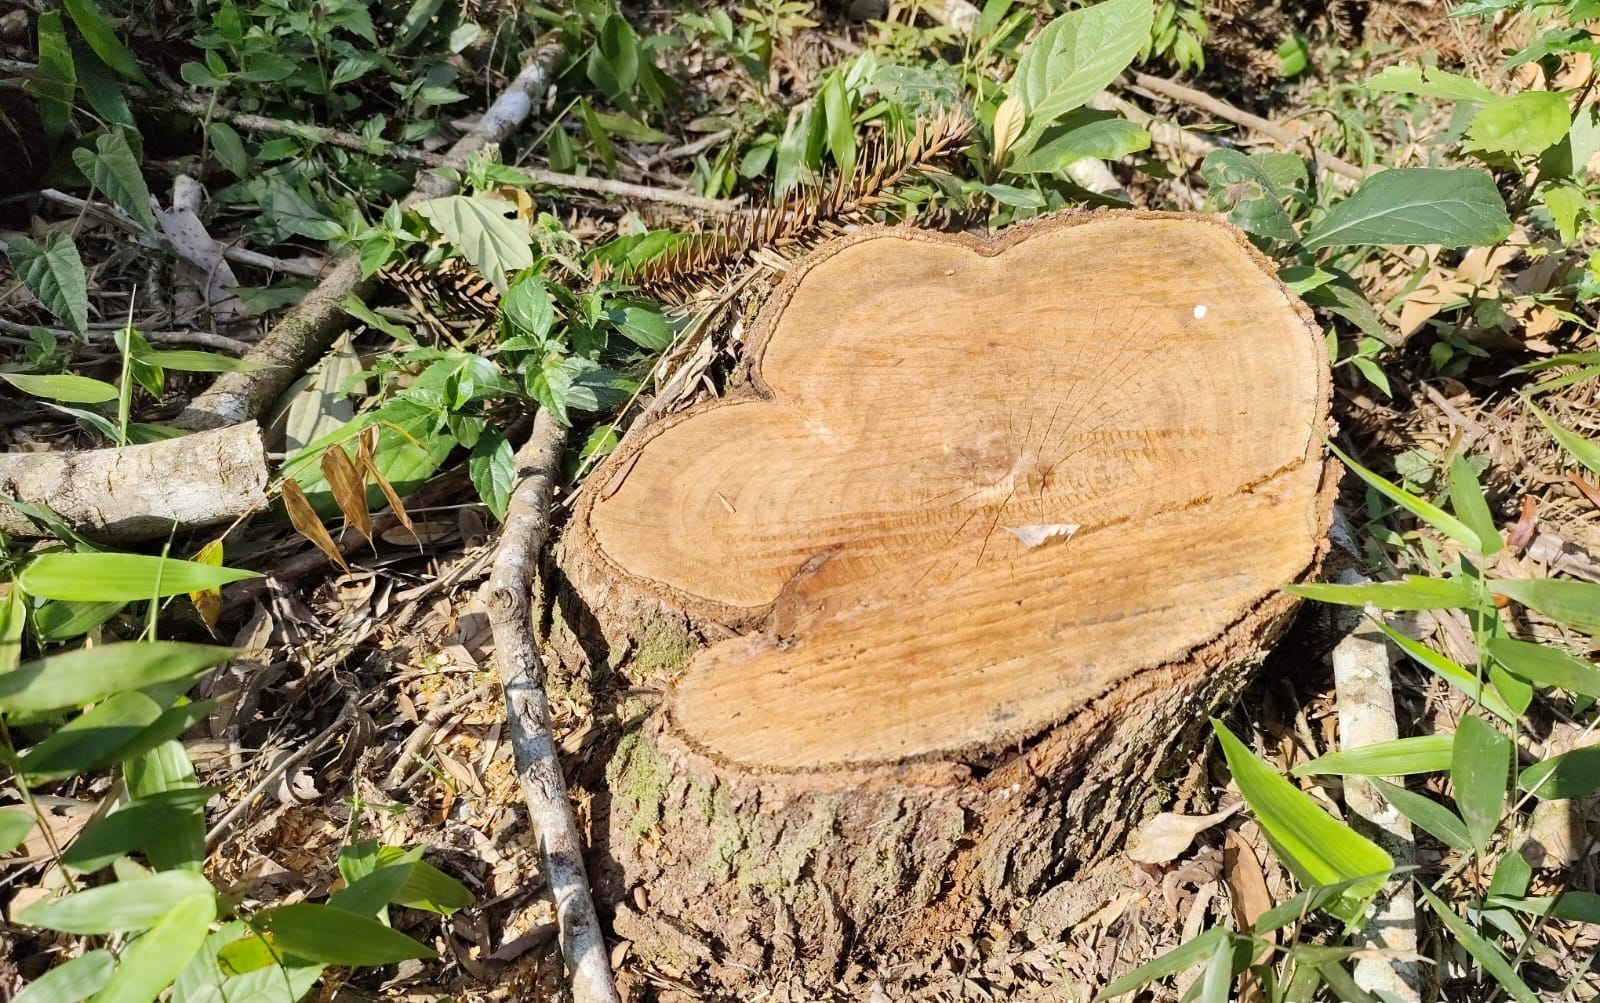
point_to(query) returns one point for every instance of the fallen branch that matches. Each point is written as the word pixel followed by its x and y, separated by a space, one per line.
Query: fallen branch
pixel 277 769
pixel 140 492
pixel 201 339
pixel 522 678
pixel 1228 113
pixel 303 334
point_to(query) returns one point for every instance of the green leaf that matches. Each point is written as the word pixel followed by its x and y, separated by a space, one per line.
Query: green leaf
pixel 1580 907
pixel 1450 672
pixel 78 677
pixel 165 769
pixel 1483 952
pixel 1544 665
pixel 103 40
pixel 1242 186
pixel 1466 499
pixel 369 894
pixel 1521 124
pixel 643 326
pixel 1395 758
pixel 1427 814
pixel 528 308
pixel 1576 604
pixel 71 982
pixel 65 387
pixel 1317 849
pixel 135 904
pixel 1582 449
pixel 1511 875
pixel 1298 906
pixel 228 147
pixel 1480 765
pixel 494 471
pixel 151 962
pixel 335 937
pixel 15 824
pixel 121 577
pixel 1416 205
pixel 1566 204
pixel 204 979
pixel 134 828
pixel 55 276
pixel 1082 133
pixel 113 168
pixel 92 739
pixel 839 124
pixel 57 81
pixel 1411 592
pixel 190 361
pixel 1218 976
pixel 102 88
pixel 1179 959
pixel 1429 82
pixel 1429 513
pixel 57 621
pixel 478 228
pixel 1569 775
pixel 1076 56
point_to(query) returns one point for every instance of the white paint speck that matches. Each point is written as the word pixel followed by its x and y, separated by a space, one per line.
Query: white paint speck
pixel 1200 312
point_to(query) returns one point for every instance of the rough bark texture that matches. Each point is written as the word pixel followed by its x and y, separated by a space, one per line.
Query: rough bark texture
pixel 993 528
pixel 140 492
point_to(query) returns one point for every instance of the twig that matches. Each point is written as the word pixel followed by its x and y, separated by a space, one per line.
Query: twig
pixel 238 255
pixel 522 677
pixel 686 150
pixel 552 179
pixel 204 339
pixel 1227 112
pixel 303 335
pixel 276 770
pixel 424 732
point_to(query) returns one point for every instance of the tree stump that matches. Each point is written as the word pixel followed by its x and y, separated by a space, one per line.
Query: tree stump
pixel 988 530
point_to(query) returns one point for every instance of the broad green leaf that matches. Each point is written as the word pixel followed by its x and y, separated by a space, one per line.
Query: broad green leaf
pixel 113 168
pixel 1524 124
pixel 432 890
pixel 1569 775
pixel 71 982
pixel 478 228
pixel 1412 592
pixel 66 387
pixel 1429 513
pixel 1582 449
pixel 56 81
pixel 1544 665
pixel 189 361
pixel 839 124
pixel 135 904
pixel 1576 604
pixel 204 979
pixel 493 468
pixel 1076 56
pixel 103 40
pixel 1429 82
pixel 528 308
pixel 1566 204
pixel 1580 907
pixel 54 274
pixel 643 326
pixel 85 675
pixel 1242 186
pixel 92 739
pixel 368 895
pixel 1179 959
pixel 1450 672
pixel 1082 133
pixel 1480 766
pixel 1427 814
pixel 151 962
pixel 1466 499
pixel 1317 848
pixel 15 824
pixel 334 937
pixel 134 827
pixel 120 577
pixel 13 619
pixel 162 770
pixel 1416 205
pixel 228 147
pixel 62 621
pixel 1395 758
pixel 1483 952
pixel 1511 875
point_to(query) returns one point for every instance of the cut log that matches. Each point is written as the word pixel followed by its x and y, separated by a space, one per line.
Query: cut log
pixel 987 532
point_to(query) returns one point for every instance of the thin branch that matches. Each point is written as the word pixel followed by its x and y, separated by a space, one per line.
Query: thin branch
pixel 522 678
pixel 202 339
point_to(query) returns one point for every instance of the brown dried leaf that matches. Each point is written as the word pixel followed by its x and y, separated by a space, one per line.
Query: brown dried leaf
pixel 365 455
pixel 349 489
pixel 1247 883
pixel 304 518
pixel 1163 838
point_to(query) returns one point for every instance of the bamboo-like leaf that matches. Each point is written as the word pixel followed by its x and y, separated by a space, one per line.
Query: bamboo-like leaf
pixel 365 456
pixel 83 676
pixel 1480 764
pixel 152 961
pixel 349 489
pixel 1218 976
pixel 1411 592
pixel 134 827
pixel 136 904
pixel 1455 675
pixel 97 32
pixel 1483 952
pixel 307 522
pixel 334 937
pixel 1428 512
pixel 1395 758
pixel 1582 449
pixel 1427 814
pixel 1576 604
pixel 13 618
pixel 190 361
pixel 1466 498
pixel 1317 848
pixel 92 739
pixel 67 387
pixel 15 824
pixel 1178 959
pixel 110 577
pixel 1544 665
pixel 1570 775
pixel 72 981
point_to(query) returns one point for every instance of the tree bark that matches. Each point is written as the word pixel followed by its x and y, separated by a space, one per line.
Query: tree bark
pixel 942 598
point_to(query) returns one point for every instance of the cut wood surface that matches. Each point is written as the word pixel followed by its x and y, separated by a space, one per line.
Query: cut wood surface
pixel 986 517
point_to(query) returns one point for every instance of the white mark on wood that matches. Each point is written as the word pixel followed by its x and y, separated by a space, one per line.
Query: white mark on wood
pixel 726 503
pixel 1200 311
pixel 1033 536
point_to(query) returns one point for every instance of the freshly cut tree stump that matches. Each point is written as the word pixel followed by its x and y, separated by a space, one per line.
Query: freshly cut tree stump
pixel 990 529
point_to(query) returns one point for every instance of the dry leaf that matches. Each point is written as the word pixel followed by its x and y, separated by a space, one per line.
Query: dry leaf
pixel 368 463
pixel 1009 119
pixel 1247 883
pixel 208 602
pixel 349 489
pixel 304 518
pixel 317 408
pixel 1164 837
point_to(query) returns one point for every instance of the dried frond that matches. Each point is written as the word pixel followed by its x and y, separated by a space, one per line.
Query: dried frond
pixel 807 215
pixel 453 288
